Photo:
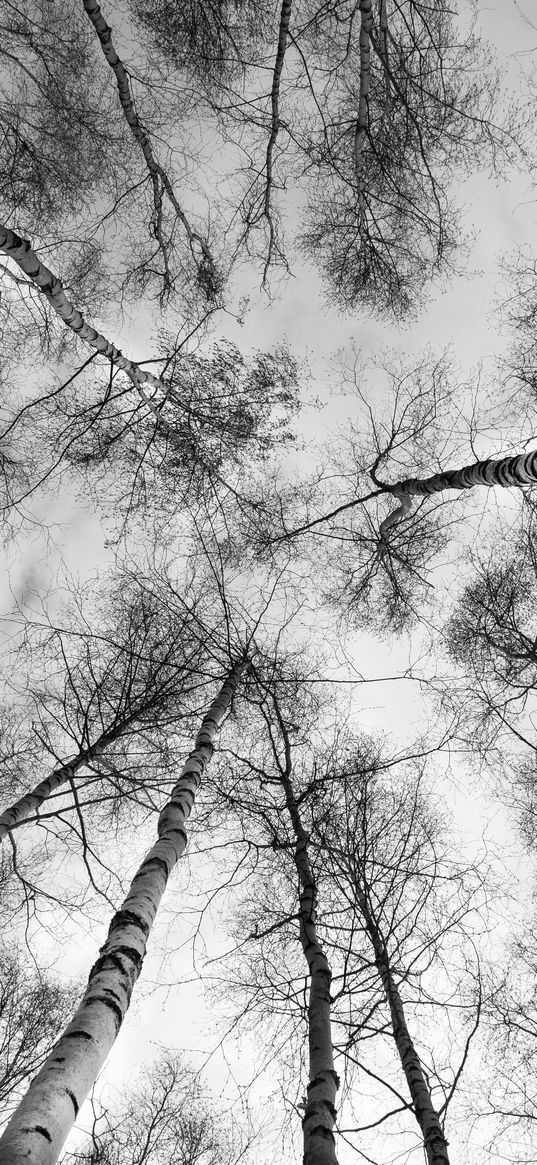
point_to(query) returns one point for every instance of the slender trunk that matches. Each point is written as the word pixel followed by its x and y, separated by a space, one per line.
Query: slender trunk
pixel 360 129
pixel 508 471
pixel 431 1129
pixel 38 1129
pixel 51 287
pixel 159 178
pixel 320 1107
pixel 17 813
pixel 285 16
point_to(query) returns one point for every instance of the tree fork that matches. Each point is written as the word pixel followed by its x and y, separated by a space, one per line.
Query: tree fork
pixel 37 1131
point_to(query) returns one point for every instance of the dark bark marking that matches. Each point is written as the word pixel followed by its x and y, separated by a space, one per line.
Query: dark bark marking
pixel 38 1129
pixel 73 1100
pixel 321 1131
pixel 320 1079
pixel 79 1034
pixel 113 959
pixel 128 918
pixel 158 862
pixel 114 1007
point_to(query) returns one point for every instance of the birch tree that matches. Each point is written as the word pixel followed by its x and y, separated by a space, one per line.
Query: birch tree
pixel 370 107
pixel 391 918
pixel 134 675
pixel 196 430
pixel 33 1009
pixel 42 1121
pixel 166 1115
pixel 381 576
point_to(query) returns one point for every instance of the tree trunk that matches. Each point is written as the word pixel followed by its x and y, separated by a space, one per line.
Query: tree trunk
pixel 17 813
pixel 320 1106
pixel 508 471
pixel 51 287
pixel 360 129
pixel 158 175
pixel 38 1129
pixel 436 1146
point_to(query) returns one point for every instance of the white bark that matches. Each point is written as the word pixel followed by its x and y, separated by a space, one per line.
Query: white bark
pixel 51 287
pixel 17 813
pixel 38 1129
pixel 507 471
pixel 159 178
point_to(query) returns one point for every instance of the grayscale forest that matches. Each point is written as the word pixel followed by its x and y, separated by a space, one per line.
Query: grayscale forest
pixel 268 457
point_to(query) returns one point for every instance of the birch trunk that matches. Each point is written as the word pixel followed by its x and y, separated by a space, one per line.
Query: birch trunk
pixel 320 1108
pixel 436 1146
pixel 51 287
pixel 38 1129
pixel 507 471
pixel 17 813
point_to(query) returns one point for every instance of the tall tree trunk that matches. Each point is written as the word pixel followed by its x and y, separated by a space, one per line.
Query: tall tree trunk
pixel 508 471
pixel 320 1106
pixel 436 1146
pixel 38 1129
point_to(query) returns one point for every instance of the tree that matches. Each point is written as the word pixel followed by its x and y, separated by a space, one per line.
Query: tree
pixel 50 1107
pixel 133 676
pixel 369 107
pixel 157 160
pixel 166 1116
pixel 32 1011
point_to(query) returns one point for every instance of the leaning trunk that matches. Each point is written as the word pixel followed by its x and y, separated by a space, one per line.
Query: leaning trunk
pixel 434 1141
pixel 38 1129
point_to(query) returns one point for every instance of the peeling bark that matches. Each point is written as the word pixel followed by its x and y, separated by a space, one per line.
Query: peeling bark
pixel 38 1128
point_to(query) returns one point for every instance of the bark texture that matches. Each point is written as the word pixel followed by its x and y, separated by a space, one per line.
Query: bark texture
pixel 507 471
pixel 435 1144
pixel 38 1128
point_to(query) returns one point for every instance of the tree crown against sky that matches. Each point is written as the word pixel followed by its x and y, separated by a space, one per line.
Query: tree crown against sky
pixel 182 186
